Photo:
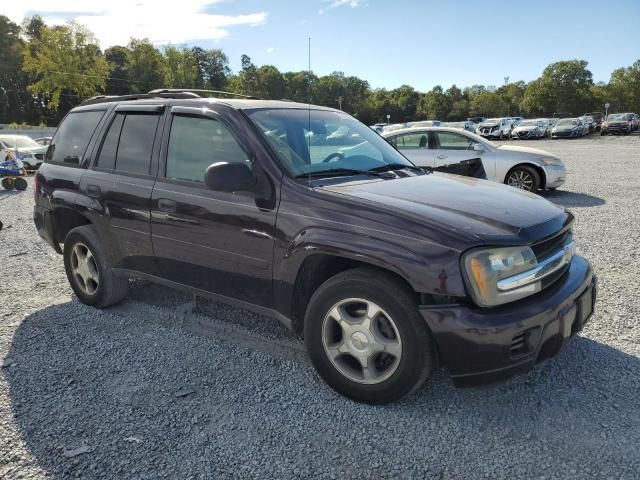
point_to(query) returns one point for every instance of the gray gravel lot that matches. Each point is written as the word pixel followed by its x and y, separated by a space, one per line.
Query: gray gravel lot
pixel 167 386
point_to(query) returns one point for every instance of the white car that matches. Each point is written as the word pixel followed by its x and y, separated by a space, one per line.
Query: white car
pixel 456 151
pixel 25 148
pixel 495 128
pixel 530 129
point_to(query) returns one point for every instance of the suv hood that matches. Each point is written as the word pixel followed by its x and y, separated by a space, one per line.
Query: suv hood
pixel 489 124
pixel 468 209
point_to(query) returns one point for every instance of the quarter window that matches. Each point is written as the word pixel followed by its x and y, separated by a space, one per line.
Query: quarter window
pixel 197 142
pixel 70 141
pixel 107 156
pixel 454 141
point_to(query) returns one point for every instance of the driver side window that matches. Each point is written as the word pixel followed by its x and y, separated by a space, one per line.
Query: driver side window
pixel 197 142
pixel 454 141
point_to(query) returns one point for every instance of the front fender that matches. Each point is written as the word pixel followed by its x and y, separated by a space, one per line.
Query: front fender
pixel 426 267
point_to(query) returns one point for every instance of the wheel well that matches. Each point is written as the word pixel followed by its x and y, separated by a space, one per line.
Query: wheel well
pixel 64 220
pixel 537 168
pixel 317 269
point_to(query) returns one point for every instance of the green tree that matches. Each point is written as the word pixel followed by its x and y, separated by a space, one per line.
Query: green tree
pixel 488 104
pixel 119 81
pixel 66 59
pixel 563 87
pixel 148 69
pixel 213 68
pixel 181 68
pixel 623 90
pixel 16 104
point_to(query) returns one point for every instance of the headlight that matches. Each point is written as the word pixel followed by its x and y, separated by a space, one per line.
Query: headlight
pixel 485 267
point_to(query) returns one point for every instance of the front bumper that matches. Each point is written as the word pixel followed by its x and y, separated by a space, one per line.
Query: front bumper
pixel 484 345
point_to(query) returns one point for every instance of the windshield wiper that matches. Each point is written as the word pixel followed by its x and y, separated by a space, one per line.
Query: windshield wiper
pixel 336 172
pixel 395 166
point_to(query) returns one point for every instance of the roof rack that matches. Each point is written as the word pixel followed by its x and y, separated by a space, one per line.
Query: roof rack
pixel 162 93
pixel 200 90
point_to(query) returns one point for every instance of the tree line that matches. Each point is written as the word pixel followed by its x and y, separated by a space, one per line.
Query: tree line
pixel 47 70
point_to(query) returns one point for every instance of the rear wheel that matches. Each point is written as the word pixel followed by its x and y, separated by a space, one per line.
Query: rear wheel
pixel 7 183
pixel 366 338
pixel 523 177
pixel 88 271
pixel 20 183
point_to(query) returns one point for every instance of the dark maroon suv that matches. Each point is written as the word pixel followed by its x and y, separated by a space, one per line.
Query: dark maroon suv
pixel 305 214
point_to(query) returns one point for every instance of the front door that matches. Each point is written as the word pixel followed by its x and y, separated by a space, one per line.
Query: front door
pixel 415 146
pixel 454 153
pixel 221 242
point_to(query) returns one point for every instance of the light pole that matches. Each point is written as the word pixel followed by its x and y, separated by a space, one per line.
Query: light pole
pixel 506 82
pixel 388 118
pixel 340 102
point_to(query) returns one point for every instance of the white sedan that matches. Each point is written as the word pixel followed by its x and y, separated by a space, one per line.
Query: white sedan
pixel 465 153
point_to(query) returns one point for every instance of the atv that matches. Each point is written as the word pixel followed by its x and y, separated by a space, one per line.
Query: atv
pixel 12 172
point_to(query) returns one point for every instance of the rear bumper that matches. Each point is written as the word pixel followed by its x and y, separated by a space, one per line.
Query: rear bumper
pixel 481 346
pixel 44 225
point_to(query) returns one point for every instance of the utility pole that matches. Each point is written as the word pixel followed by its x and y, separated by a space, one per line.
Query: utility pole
pixel 506 82
pixel 340 102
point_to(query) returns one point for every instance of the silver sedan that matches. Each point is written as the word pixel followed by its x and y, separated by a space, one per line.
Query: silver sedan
pixel 464 153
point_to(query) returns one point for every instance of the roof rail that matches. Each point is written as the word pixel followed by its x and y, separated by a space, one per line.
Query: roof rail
pixel 137 96
pixel 200 90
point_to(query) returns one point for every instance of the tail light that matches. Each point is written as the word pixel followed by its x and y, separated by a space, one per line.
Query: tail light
pixel 35 186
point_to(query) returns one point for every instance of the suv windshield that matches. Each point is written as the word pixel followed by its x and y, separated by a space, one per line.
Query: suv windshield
pixel 616 116
pixel 314 141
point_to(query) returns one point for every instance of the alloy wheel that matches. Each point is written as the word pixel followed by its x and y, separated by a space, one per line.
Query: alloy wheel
pixel 521 179
pixel 362 341
pixel 85 269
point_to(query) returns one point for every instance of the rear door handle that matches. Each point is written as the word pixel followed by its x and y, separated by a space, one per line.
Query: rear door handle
pixel 93 191
pixel 441 157
pixel 166 205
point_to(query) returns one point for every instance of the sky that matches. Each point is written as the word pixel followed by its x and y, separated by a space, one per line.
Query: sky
pixel 388 43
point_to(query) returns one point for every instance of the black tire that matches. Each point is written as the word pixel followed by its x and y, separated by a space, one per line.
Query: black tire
pixel 110 289
pixel 20 183
pixel 7 183
pixel 531 171
pixel 417 359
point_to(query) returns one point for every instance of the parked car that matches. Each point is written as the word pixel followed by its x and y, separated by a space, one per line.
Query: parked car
pixel 616 124
pixel 468 126
pixel 568 128
pixel 590 122
pixel 25 149
pixel 598 118
pixel 495 128
pixel 422 123
pixel 386 271
pixel 378 127
pixel 461 152
pixel 635 121
pixel 476 120
pixel 43 141
pixel 529 129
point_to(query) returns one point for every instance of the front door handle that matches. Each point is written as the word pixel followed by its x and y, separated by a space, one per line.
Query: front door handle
pixel 441 157
pixel 166 205
pixel 93 191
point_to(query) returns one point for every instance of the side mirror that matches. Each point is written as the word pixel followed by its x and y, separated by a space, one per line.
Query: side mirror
pixel 229 177
pixel 478 147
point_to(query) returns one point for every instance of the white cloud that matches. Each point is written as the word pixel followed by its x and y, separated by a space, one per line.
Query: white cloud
pixel 115 21
pixel 340 3
pixel 270 50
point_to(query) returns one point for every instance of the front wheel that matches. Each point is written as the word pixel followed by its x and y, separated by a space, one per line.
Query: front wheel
pixel 523 177
pixel 366 338
pixel 88 270
pixel 7 183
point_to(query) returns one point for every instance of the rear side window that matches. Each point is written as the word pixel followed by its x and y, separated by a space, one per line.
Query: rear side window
pixel 412 141
pixel 70 141
pixel 195 143
pixel 128 144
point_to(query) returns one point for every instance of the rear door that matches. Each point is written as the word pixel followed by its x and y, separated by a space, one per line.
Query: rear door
pixel 415 146
pixel 119 185
pixel 221 242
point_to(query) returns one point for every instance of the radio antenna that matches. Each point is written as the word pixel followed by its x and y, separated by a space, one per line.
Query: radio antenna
pixel 309 110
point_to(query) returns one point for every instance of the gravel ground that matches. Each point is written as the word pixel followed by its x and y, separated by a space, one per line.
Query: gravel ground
pixel 168 386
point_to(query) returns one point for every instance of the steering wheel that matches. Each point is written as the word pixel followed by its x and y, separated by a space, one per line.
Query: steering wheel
pixel 337 155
